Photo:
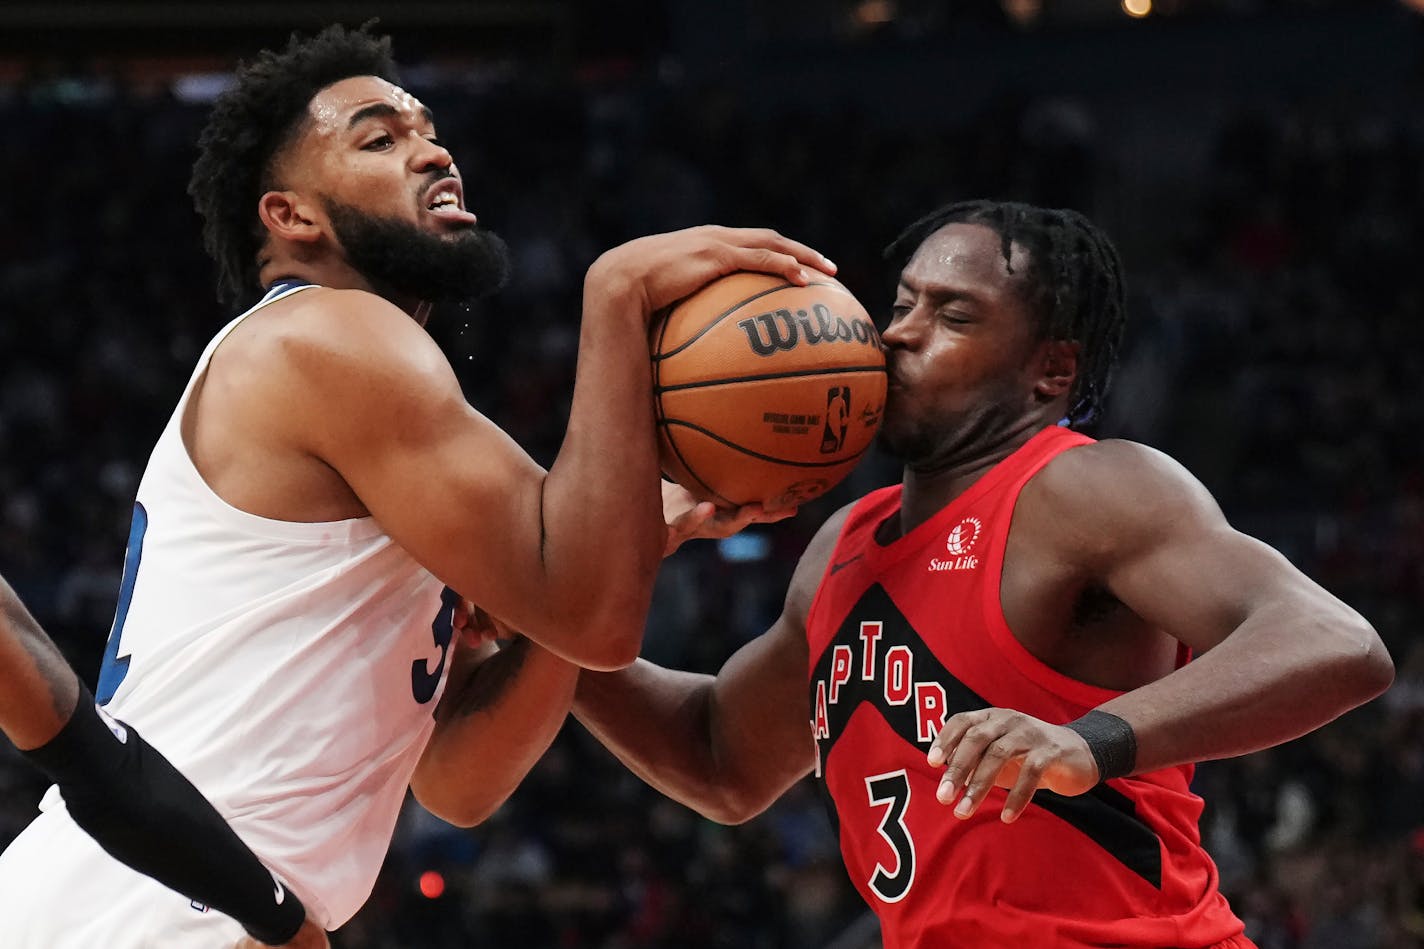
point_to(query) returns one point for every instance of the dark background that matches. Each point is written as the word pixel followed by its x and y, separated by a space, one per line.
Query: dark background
pixel 1257 162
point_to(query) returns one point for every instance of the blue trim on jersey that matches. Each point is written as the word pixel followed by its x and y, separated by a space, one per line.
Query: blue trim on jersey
pixel 114 667
pixel 283 285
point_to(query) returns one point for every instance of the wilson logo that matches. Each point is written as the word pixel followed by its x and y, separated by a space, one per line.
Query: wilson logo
pixel 784 330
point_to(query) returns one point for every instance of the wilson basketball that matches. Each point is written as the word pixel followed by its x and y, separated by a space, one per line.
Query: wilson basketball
pixel 766 391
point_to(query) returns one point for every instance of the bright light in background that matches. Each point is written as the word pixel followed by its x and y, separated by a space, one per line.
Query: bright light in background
pixel 1024 12
pixel 432 885
pixel 1137 9
pixel 875 12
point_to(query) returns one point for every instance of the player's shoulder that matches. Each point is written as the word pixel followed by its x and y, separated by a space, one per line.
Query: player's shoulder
pixel 325 330
pixel 824 540
pixel 1113 471
pixel 331 316
pixel 1110 490
pixel 816 557
pixel 818 551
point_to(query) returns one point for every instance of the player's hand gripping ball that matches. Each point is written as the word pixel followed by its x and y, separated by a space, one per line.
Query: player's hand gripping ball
pixel 766 392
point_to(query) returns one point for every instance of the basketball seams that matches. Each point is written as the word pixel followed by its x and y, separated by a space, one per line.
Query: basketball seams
pixel 789 374
pixel 659 355
pixel 668 423
pixel 687 466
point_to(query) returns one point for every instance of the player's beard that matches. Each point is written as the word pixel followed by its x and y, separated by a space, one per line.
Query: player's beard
pixel 926 440
pixel 908 443
pixel 402 260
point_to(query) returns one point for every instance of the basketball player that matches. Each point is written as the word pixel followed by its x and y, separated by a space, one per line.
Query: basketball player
pixel 993 655
pixel 321 492
pixel 121 791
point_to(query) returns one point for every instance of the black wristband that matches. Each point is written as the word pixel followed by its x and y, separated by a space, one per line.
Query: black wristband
pixel 143 812
pixel 1112 742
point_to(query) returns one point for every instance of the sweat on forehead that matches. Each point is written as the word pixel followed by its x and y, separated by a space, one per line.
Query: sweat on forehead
pixel 340 106
pixel 347 101
pixel 971 248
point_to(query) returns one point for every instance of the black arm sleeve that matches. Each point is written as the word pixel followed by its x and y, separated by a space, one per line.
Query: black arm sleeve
pixel 140 809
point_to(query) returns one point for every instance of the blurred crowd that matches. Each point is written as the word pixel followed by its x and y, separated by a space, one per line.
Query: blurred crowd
pixel 1276 348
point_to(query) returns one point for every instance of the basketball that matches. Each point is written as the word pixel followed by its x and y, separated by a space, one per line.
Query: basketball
pixel 765 391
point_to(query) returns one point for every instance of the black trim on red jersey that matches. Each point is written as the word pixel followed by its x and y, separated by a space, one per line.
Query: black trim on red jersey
pixel 1106 816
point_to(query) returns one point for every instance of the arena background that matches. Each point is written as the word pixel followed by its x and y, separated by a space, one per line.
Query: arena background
pixel 1257 161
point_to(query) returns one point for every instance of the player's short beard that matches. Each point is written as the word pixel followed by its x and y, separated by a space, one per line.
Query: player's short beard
pixel 402 260
pixel 911 445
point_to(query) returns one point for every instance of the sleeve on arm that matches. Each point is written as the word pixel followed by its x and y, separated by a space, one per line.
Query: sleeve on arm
pixel 143 812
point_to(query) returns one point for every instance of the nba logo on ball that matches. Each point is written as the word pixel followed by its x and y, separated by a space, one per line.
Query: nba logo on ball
pixel 837 419
pixel 961 539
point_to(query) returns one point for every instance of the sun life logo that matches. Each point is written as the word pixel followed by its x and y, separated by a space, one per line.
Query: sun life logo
pixel 961 539
pixel 960 545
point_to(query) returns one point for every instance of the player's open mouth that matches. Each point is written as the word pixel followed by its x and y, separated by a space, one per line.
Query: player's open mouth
pixel 443 200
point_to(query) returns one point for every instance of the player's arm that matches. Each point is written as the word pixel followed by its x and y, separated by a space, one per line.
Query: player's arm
pixel 500 712
pixel 567 556
pixel 126 796
pixel 726 745
pixel 1277 655
pixel 502 708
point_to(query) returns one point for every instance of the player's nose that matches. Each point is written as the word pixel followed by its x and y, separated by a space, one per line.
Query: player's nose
pixel 900 333
pixel 430 155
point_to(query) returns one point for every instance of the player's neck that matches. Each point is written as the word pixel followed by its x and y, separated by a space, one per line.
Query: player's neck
pixel 337 275
pixel 928 487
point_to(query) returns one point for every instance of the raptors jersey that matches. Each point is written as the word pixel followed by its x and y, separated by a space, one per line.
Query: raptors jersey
pixel 903 635
pixel 289 670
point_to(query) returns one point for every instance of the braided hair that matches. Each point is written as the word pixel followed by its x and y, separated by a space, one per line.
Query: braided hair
pixel 250 125
pixel 1074 282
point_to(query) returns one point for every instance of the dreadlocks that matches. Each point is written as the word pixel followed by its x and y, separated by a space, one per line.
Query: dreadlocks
pixel 1073 283
pixel 251 123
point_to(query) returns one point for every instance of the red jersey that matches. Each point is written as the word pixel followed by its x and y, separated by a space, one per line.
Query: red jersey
pixel 905 634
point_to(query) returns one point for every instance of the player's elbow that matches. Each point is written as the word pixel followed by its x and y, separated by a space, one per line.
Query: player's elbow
pixel 610 655
pixel 733 806
pixel 595 647
pixel 1361 665
pixel 447 803
pixel 607 636
pixel 1373 665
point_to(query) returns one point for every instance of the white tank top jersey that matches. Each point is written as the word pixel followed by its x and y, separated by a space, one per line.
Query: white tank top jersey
pixel 290 670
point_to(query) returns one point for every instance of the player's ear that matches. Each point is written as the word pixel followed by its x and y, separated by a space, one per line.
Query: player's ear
pixel 287 215
pixel 1059 369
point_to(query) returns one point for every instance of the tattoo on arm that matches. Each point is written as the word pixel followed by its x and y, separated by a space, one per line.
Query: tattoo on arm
pixel 489 681
pixel 59 680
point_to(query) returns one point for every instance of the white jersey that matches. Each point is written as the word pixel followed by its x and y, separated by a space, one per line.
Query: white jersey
pixel 289 670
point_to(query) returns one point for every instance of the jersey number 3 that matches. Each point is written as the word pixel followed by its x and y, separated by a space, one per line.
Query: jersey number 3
pixel 423 680
pixel 893 791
